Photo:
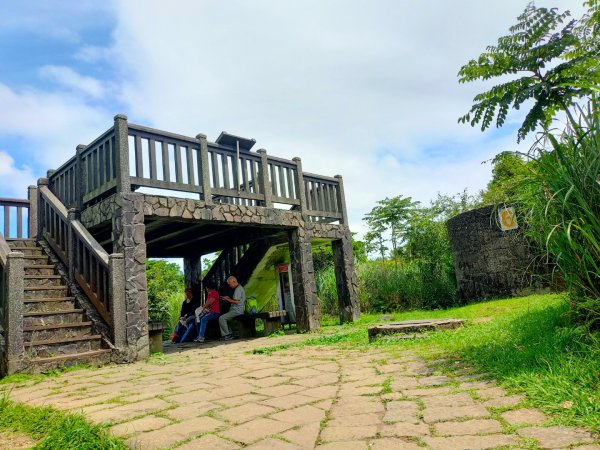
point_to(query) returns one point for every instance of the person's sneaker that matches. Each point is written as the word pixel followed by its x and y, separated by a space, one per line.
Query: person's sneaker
pixel 227 337
pixel 199 339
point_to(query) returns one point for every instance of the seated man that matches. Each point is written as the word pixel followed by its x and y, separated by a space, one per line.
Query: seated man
pixel 237 307
pixel 187 318
pixel 212 305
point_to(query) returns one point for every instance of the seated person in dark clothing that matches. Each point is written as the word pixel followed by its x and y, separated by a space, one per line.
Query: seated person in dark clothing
pixel 212 306
pixel 187 317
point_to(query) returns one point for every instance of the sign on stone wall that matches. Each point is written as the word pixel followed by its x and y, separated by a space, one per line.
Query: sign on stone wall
pixel 507 218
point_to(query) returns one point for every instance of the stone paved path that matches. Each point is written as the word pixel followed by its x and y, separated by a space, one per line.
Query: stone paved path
pixel 222 397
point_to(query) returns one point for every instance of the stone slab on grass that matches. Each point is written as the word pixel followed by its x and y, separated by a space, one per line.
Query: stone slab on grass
pixel 470 442
pixel 413 326
pixel 556 437
pixel 393 444
pixel 525 416
pixel 443 413
pixel 469 427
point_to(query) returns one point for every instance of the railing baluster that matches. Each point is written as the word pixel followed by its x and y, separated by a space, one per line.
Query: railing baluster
pixel 152 159
pixel 166 162
pixel 19 222
pixel 139 159
pixel 178 164
pixel 215 170
pixel 190 166
pixel 281 177
pixel 226 184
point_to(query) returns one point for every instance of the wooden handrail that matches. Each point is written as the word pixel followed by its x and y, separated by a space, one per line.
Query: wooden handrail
pixel 4 250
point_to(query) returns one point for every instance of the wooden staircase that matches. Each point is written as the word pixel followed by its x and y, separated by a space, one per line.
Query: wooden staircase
pixel 55 332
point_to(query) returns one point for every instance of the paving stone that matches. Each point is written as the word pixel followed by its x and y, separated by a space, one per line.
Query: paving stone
pixel 283 389
pixel 393 444
pixel 171 434
pixel 405 429
pixel 434 381
pixel 527 416
pixel 271 444
pixel 332 434
pixel 209 442
pixel 356 420
pixel 244 413
pixel 301 415
pixel 240 400
pixel 400 383
pixel 124 412
pixel 470 442
pixel 477 426
pixel 321 392
pixel 255 430
pixel 462 399
pixel 441 413
pixel 477 385
pixel 344 445
pixel 426 392
pixel 351 406
pixel 305 436
pixel 287 401
pixel 504 402
pixel 322 380
pixel 324 405
pixel 401 411
pixel 556 437
pixel 147 423
pixel 492 392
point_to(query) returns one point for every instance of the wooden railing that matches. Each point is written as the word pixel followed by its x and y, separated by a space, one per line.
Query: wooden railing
pixel 89 265
pixel 224 264
pixel 16 218
pixel 128 156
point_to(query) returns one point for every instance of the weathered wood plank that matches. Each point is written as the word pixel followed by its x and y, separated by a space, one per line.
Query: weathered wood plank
pixel 166 162
pixel 152 159
pixel 139 157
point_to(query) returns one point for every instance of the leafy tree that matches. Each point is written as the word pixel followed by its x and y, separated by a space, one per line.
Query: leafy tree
pixel 164 279
pixel 558 58
pixel 508 169
pixel 389 214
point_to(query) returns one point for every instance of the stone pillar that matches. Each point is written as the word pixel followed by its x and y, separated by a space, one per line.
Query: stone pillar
pixel 192 271
pixel 345 278
pixel 205 171
pixel 265 185
pixel 118 306
pixel 41 217
pixel 32 194
pixel 129 239
pixel 13 316
pixel 300 185
pixel 308 311
pixel 122 153
pixel 341 199
pixel 80 174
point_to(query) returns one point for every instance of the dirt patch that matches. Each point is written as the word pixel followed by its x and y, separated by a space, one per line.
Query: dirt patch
pixel 15 441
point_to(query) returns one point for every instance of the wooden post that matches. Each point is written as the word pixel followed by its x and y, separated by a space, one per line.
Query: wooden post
pixel 205 172
pixel 265 184
pixel 13 318
pixel 341 199
pixel 32 194
pixel 116 294
pixel 80 177
pixel 300 185
pixel 71 243
pixel 122 153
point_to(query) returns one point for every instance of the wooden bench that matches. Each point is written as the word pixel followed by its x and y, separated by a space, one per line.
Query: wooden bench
pixel 155 331
pixel 271 319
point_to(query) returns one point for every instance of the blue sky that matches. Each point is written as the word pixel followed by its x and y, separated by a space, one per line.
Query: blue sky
pixel 364 89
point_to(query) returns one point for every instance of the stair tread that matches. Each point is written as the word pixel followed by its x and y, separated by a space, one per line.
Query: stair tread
pixel 49 313
pixel 51 359
pixel 47 299
pixel 24 247
pixel 57 325
pixel 37 275
pixel 34 256
pixel 91 337
pixel 45 288
pixel 39 266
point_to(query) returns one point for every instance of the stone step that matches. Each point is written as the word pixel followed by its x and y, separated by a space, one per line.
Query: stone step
pixel 48 304
pixel 45 291
pixel 42 280
pixel 95 357
pixel 30 260
pixel 29 251
pixel 66 316
pixel 39 269
pixel 14 242
pixel 57 331
pixel 64 346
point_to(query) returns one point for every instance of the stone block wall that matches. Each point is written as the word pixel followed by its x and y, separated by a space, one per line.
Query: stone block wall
pixel 490 262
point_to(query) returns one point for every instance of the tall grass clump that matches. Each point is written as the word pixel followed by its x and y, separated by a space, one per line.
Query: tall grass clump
pixel 562 195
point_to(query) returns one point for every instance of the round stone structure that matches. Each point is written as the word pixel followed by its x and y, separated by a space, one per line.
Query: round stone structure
pixel 488 261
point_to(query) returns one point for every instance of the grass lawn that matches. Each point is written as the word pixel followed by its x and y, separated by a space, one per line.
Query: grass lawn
pixel 527 344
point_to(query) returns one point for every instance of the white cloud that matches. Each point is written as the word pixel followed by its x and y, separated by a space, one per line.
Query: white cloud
pixel 72 80
pixel 14 180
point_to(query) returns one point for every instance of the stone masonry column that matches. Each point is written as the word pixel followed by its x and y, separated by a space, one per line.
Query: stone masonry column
pixel 345 278
pixel 192 272
pixel 308 311
pixel 129 239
